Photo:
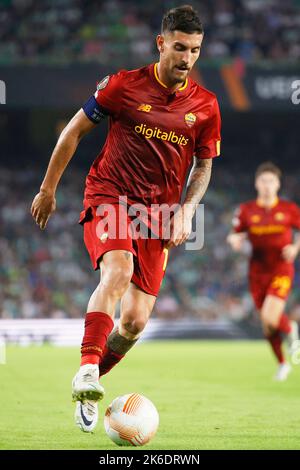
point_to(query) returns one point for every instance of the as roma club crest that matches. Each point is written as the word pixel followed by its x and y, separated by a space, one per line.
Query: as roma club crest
pixel 279 216
pixel 255 218
pixel 190 119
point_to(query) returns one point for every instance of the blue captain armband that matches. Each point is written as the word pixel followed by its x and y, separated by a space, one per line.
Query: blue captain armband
pixel 94 111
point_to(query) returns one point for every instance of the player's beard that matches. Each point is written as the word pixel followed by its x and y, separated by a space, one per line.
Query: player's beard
pixel 178 76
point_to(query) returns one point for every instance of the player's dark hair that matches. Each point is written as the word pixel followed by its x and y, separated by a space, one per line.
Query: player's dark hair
pixel 268 167
pixel 183 18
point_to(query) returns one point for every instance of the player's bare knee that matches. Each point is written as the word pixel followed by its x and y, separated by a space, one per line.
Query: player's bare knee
pixel 134 325
pixel 264 319
pixel 117 279
pixel 273 324
pixel 267 321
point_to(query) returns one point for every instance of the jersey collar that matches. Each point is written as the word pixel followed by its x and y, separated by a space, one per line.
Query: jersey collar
pixel 162 86
pixel 259 203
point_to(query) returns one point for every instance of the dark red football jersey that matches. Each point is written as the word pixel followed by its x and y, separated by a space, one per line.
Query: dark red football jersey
pixel 269 230
pixel 153 135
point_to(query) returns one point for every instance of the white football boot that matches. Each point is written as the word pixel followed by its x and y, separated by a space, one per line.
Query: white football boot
pixel 86 391
pixel 282 372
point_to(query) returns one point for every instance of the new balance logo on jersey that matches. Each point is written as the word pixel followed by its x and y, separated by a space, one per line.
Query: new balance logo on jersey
pixel 171 136
pixel 145 107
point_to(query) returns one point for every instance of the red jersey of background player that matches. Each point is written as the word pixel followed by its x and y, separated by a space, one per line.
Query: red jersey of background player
pixel 153 135
pixel 269 230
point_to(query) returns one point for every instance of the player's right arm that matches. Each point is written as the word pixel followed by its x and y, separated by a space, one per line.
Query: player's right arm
pixel 44 203
pixel 238 234
pixel 236 240
pixel 292 250
pixel 105 102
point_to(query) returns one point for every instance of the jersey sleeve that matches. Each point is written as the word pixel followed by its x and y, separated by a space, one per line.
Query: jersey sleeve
pixel 239 221
pixel 295 216
pixel 107 99
pixel 208 142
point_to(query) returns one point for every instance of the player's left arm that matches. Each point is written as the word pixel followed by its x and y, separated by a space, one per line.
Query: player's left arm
pixel 196 188
pixel 207 147
pixel 197 185
pixel 291 251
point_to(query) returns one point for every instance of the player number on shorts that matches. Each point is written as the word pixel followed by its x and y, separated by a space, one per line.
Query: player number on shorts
pixel 282 284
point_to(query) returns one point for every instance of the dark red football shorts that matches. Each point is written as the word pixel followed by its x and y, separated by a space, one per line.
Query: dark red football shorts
pixel 277 283
pixel 102 234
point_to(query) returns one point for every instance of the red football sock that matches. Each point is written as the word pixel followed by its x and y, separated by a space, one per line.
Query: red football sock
pixel 109 360
pixel 97 327
pixel 276 341
pixel 284 324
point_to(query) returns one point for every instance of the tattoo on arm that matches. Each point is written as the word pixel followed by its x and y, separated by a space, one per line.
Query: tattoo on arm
pixel 198 182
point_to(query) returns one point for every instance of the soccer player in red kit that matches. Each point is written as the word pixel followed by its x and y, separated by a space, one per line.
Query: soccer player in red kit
pixel 268 223
pixel 160 122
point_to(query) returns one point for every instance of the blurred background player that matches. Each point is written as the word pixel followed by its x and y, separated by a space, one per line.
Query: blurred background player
pixel 268 224
pixel 148 168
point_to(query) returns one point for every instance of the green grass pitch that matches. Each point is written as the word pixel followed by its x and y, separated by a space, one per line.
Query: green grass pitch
pixel 209 394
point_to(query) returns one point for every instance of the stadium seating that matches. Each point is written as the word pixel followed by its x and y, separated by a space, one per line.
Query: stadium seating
pixel 64 31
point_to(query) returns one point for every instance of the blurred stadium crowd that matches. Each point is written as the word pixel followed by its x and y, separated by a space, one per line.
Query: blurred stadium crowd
pixel 108 31
pixel 48 274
